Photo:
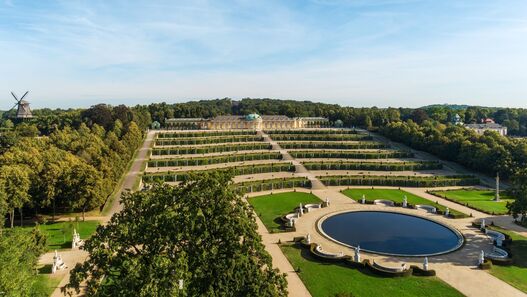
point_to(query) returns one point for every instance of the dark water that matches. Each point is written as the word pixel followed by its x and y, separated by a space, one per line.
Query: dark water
pixel 391 233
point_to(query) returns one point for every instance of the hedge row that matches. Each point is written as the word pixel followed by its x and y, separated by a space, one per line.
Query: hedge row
pixel 400 181
pixel 321 137
pixel 332 145
pixel 374 166
pixel 204 133
pixel 207 140
pixel 214 159
pixel 350 154
pixel 211 149
pixel 237 170
pixel 273 184
pixel 318 132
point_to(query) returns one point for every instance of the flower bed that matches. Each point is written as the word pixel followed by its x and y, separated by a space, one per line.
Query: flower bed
pixel 208 140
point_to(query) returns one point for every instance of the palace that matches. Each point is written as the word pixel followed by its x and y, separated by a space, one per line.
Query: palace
pixel 252 121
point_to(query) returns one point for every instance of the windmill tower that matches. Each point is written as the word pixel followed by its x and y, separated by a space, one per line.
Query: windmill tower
pixel 23 110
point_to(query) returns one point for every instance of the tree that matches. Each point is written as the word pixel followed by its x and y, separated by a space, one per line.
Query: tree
pixel 85 187
pixel 195 233
pixel 19 252
pixel 419 116
pixel 15 183
pixel 518 208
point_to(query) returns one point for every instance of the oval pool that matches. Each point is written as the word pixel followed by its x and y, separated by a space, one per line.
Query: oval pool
pixel 390 233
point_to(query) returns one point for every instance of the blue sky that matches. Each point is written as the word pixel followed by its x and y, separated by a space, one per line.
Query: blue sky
pixel 352 52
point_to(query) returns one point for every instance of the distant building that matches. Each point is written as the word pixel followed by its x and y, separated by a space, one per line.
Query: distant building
pixel 488 124
pixel 456 120
pixel 251 121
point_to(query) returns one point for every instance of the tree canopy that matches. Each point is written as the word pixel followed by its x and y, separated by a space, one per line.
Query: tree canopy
pixel 195 233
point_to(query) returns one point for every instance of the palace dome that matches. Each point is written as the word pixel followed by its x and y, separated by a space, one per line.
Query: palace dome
pixel 252 117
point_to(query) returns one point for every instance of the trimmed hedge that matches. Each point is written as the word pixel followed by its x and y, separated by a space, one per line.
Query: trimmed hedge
pixel 212 149
pixel 237 170
pixel 318 132
pixel 351 154
pixel 332 145
pixel 399 181
pixel 207 140
pixel 320 137
pixel 273 184
pixel 374 166
pixel 214 159
pixel 204 134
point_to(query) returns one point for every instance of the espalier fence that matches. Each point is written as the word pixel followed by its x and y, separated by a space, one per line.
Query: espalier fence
pixel 400 181
pixel 198 161
pixel 211 149
pixel 236 170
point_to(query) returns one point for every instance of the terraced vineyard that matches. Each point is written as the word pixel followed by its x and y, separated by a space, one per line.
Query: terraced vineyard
pixel 262 161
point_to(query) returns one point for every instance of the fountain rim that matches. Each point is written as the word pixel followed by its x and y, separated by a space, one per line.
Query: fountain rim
pixel 461 238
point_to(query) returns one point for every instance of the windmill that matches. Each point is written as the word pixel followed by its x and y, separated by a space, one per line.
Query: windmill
pixel 23 110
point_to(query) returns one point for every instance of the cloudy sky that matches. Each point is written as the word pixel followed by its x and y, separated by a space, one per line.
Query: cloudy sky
pixel 353 52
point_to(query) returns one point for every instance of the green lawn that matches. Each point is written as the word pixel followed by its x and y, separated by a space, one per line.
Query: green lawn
pixel 478 199
pixel 515 275
pixel 60 234
pixel 271 207
pixel 45 284
pixel 395 196
pixel 325 279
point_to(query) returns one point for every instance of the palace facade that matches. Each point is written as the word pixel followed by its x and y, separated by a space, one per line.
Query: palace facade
pixel 252 121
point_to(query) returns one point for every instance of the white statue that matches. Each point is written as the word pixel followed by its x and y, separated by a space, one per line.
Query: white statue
pixel 180 284
pixel 308 238
pixel 425 264
pixel 363 200
pixel 357 253
pixel 76 241
pixel 301 210
pixel 58 264
pixel 481 258
pixel 327 201
pixel 447 212
pixel 405 201
pixel 482 224
pixel 291 222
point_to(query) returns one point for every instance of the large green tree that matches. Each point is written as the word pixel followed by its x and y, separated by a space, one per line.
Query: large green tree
pixel 200 232
pixel 15 187
pixel 19 252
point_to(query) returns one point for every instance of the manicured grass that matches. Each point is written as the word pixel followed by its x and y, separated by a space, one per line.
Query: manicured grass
pixel 395 196
pixel 271 207
pixel 515 275
pixel 328 279
pixel 45 284
pixel 481 200
pixel 60 234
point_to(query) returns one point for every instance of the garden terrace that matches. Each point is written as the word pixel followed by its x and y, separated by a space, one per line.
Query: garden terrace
pixel 211 149
pixel 204 134
pixel 200 161
pixel 273 184
pixel 317 132
pixel 271 207
pixel 237 170
pixel 381 154
pixel 400 181
pixel 322 137
pixel 482 200
pixel 374 166
pixel 397 196
pixel 208 140
pixel 332 145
